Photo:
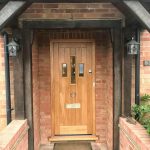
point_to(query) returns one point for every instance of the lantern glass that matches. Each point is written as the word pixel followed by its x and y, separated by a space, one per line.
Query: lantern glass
pixel 133 47
pixel 13 47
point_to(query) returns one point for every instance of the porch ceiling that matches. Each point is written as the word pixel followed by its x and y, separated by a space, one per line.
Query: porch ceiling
pixel 134 10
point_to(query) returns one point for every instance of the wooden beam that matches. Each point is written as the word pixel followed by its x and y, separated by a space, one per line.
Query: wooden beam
pixel 64 24
pixel 77 1
pixel 9 10
pixel 3 3
pixel 19 85
pixel 117 75
pixel 28 84
pixel 139 11
pixel 71 1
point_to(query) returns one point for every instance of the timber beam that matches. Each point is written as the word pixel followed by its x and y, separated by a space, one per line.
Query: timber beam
pixel 139 12
pixel 9 11
pixel 63 24
pixel 77 1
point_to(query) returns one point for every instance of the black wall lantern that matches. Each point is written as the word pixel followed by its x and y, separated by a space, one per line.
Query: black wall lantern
pixel 133 47
pixel 13 47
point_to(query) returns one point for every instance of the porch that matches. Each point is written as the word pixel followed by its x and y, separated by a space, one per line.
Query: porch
pixel 73 62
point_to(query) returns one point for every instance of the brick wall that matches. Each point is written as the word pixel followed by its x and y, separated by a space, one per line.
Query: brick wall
pixel 133 137
pixel 15 136
pixel 44 86
pixel 2 86
pixel 145 70
pixel 109 92
pixel 71 11
pixel 35 85
pixel 104 100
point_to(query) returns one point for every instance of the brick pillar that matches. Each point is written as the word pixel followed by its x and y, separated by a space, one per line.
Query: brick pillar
pixel 3 121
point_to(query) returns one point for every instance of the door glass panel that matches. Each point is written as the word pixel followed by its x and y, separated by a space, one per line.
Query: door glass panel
pixel 73 69
pixel 81 70
pixel 64 70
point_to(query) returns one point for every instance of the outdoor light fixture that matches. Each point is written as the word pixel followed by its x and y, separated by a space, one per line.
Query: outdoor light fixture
pixel 133 47
pixel 13 47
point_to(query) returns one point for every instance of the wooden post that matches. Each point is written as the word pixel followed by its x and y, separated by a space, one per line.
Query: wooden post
pixel 28 84
pixel 117 55
pixel 127 73
pixel 19 85
pixel 127 84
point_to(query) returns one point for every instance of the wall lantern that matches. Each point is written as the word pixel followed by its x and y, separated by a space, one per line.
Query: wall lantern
pixel 133 47
pixel 13 47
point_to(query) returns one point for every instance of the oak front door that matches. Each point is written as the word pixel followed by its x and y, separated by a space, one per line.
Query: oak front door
pixel 73 87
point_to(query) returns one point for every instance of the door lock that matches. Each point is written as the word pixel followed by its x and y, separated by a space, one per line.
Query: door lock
pixel 73 94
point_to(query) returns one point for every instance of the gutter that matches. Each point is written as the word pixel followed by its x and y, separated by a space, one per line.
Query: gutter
pixel 7 78
pixel 137 71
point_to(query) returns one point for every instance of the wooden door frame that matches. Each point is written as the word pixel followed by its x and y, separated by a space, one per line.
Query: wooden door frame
pixel 116 26
pixel 51 73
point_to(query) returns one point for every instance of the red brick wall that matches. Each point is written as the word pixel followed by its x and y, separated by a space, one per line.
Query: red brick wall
pixel 44 86
pixel 104 88
pixel 2 86
pixel 109 59
pixel 36 99
pixel 15 136
pixel 145 70
pixel 133 137
pixel 71 11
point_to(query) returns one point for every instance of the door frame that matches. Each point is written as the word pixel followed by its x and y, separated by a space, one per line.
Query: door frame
pixel 115 25
pixel 52 78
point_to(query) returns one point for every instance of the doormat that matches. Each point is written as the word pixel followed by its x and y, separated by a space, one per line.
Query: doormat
pixel 73 146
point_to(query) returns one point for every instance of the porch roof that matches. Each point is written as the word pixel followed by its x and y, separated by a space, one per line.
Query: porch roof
pixel 137 12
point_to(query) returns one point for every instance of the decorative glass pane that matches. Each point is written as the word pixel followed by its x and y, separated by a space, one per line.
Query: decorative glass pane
pixel 64 70
pixel 73 69
pixel 81 70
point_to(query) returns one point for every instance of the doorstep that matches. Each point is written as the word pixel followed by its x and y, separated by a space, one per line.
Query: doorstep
pixel 73 138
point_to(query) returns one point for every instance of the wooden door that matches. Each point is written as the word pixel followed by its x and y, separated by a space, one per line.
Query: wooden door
pixel 73 87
